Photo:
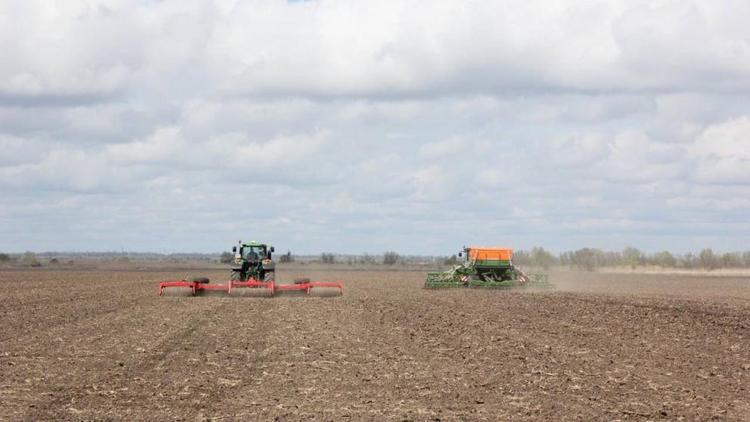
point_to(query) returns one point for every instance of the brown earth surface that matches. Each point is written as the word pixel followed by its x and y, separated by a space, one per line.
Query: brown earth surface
pixel 101 345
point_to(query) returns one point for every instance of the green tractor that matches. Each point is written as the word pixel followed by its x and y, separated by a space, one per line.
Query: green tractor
pixel 486 267
pixel 253 261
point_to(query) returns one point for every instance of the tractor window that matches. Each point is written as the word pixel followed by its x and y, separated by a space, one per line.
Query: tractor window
pixel 254 253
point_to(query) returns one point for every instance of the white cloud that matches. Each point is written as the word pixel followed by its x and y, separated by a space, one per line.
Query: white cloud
pixel 67 49
pixel 162 146
pixel 549 122
pixel 277 151
pixel 61 169
pixel 723 151
pixel 15 151
pixel 384 49
pixel 450 147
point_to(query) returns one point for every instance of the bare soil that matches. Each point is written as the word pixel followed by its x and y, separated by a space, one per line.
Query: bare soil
pixel 101 345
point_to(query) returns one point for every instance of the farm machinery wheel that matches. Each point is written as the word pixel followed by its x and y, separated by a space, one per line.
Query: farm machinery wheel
pixel 325 292
pixel 177 291
pixel 203 280
pixel 252 292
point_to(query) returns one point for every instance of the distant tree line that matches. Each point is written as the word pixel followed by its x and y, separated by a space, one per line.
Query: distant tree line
pixel 28 259
pixel 587 259
pixel 592 258
pixel 389 258
pixel 287 257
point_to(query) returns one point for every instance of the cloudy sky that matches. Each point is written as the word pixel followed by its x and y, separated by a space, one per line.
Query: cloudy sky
pixel 361 126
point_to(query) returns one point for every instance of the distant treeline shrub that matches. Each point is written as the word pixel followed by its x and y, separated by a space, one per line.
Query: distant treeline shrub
pixel 591 258
pixel 450 260
pixel 29 259
pixel 287 257
pixel 390 258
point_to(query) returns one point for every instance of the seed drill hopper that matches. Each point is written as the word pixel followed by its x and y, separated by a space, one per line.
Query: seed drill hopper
pixel 486 267
pixel 253 274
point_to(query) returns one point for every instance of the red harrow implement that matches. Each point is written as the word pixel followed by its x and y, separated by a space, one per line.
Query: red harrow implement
pixel 200 286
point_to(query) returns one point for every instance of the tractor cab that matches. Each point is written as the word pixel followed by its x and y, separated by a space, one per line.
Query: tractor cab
pixel 253 260
pixel 252 252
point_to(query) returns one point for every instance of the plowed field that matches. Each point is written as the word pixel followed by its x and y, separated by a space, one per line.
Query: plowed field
pixel 97 345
